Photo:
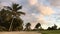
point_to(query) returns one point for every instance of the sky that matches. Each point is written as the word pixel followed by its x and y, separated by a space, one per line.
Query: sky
pixel 46 12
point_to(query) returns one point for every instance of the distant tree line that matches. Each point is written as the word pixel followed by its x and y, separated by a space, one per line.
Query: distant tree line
pixel 38 27
pixel 54 27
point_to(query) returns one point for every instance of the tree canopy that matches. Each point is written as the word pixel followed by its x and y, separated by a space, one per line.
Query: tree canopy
pixel 10 17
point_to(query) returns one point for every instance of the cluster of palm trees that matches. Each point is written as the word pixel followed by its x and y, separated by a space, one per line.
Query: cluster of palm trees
pixel 10 18
pixel 28 27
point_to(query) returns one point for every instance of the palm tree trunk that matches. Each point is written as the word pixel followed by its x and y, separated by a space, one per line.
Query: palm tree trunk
pixel 10 28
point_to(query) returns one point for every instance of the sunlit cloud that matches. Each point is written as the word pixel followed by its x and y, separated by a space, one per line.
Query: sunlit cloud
pixel 33 2
pixel 45 10
pixel 41 19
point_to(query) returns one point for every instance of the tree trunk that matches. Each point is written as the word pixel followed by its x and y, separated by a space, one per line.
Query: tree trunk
pixel 10 28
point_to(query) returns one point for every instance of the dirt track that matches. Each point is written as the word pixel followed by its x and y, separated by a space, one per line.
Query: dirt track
pixel 19 33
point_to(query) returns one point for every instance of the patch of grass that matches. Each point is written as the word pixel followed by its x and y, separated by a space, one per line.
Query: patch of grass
pixel 50 32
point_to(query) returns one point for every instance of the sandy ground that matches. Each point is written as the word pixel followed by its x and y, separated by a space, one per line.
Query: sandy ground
pixel 19 32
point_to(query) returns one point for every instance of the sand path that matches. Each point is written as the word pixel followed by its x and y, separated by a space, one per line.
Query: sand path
pixel 19 32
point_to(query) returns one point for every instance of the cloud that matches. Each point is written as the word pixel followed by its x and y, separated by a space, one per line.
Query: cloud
pixel 32 2
pixel 45 10
pixel 55 3
pixel 41 19
pixel 35 17
pixel 5 4
pixel 2 4
pixel 14 1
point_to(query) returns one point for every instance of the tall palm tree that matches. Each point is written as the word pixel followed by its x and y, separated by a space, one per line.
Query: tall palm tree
pixel 14 13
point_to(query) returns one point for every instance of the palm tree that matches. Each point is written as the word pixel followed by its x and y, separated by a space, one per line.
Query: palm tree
pixel 14 13
pixel 38 25
pixel 28 26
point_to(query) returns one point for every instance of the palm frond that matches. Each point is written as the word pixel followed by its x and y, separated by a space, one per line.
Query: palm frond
pixel 14 6
pixel 8 7
pixel 20 7
pixel 21 13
